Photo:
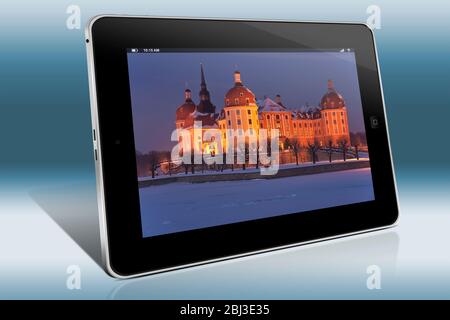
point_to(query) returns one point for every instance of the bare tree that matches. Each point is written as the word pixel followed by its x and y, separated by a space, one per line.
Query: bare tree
pixel 192 160
pixel 242 148
pixel 295 148
pixel 257 153
pixel 330 150
pixel 164 157
pixel 245 147
pixel 224 160
pixel 286 144
pixel 185 165
pixel 253 152
pixel 269 146
pixel 358 138
pixel 313 148
pixel 153 160
pixel 343 144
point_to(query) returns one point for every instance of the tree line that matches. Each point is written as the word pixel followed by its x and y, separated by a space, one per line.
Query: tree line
pixel 151 161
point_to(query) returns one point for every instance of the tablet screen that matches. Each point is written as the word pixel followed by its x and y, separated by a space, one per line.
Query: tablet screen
pixel 229 136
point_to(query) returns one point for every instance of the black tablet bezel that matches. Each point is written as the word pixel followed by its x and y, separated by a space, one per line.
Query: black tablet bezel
pixel 128 252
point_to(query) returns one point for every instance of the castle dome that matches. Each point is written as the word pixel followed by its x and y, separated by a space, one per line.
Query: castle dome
pixel 187 107
pixel 332 99
pixel 239 95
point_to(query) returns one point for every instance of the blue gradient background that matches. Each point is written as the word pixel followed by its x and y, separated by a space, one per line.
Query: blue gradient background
pixel 45 139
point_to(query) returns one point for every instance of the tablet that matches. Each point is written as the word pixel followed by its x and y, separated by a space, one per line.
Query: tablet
pixel 215 139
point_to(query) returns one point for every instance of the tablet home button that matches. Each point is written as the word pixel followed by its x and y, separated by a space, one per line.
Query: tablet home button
pixel 374 122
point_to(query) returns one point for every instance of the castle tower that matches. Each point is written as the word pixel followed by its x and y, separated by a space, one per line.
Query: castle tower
pixel 205 105
pixel 183 114
pixel 240 112
pixel 334 116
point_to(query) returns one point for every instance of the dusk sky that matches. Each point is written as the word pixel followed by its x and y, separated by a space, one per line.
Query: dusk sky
pixel 158 81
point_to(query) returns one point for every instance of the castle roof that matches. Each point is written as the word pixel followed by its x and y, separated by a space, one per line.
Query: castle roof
pixel 268 105
pixel 332 99
pixel 239 95
pixel 186 108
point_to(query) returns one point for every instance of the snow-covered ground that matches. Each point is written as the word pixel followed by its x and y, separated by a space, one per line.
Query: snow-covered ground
pixel 184 206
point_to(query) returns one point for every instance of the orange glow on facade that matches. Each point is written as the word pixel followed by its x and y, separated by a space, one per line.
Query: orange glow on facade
pixel 243 114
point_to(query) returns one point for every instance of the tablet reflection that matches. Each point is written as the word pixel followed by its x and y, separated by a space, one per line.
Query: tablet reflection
pixel 323 270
